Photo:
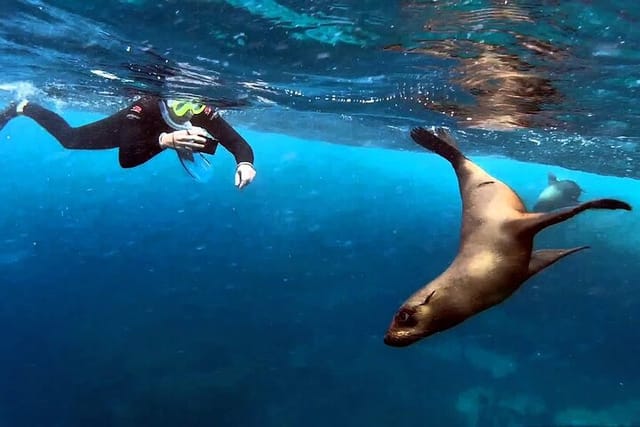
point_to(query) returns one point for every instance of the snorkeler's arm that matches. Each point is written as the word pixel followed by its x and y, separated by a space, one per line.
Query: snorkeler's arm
pixel 138 136
pixel 227 136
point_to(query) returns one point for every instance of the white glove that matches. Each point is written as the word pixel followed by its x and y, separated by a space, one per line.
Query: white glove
pixel 193 138
pixel 245 172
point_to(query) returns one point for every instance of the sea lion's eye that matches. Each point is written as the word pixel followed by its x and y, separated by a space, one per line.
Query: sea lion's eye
pixel 405 318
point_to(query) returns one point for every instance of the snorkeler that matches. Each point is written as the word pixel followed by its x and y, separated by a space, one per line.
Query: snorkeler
pixel 145 129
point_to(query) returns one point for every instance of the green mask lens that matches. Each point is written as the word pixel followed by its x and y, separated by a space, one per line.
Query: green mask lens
pixel 180 108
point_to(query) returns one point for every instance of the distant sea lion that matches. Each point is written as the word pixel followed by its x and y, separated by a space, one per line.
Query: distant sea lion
pixel 496 249
pixel 558 194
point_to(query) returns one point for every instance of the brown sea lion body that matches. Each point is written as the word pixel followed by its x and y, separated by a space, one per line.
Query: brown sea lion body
pixel 496 249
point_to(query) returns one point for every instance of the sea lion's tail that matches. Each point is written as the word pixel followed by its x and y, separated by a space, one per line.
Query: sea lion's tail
pixel 442 144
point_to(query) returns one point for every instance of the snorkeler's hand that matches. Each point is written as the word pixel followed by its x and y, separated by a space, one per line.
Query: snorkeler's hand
pixel 193 138
pixel 245 172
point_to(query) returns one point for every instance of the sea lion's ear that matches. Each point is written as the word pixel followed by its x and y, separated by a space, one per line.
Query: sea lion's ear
pixel 426 300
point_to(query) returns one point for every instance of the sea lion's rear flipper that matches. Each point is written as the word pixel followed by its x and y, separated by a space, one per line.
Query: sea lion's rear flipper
pixel 544 258
pixel 535 222
pixel 441 144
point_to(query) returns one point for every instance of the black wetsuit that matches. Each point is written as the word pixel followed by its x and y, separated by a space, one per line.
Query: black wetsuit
pixel 135 131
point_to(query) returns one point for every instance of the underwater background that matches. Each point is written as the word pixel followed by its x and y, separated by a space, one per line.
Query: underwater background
pixel 142 297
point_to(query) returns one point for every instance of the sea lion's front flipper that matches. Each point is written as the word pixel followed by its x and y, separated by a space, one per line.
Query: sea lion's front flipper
pixel 441 144
pixel 544 258
pixel 535 222
pixel 446 135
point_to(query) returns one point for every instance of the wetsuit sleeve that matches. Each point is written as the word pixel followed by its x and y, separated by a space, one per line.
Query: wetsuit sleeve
pixel 138 135
pixel 229 138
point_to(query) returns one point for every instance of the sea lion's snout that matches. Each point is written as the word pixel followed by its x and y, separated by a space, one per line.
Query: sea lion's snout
pixel 397 341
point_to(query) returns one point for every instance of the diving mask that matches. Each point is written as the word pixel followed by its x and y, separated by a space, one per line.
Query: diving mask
pixel 181 108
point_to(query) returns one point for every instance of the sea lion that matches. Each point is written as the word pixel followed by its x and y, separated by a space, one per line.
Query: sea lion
pixel 496 249
pixel 558 194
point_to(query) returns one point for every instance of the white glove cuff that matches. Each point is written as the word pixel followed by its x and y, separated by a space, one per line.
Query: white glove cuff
pixel 246 163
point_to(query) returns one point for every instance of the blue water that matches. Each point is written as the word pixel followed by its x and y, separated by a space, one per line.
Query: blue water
pixel 142 297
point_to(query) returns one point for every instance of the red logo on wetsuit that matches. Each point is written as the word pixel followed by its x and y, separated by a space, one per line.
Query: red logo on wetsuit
pixel 207 110
pixel 136 109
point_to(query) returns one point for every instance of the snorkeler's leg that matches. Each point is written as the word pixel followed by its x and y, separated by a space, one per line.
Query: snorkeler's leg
pixel 94 136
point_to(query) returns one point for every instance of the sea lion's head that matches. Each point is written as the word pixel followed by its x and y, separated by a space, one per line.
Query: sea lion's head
pixel 422 315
